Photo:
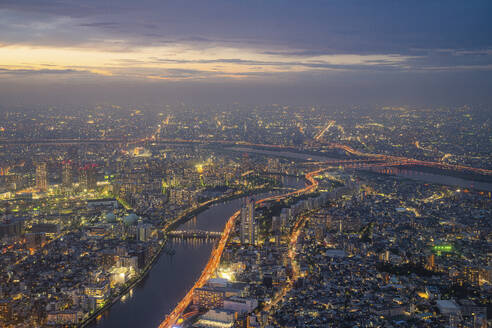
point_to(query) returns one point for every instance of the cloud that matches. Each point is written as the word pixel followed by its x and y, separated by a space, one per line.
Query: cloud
pixel 220 39
pixel 6 71
pixel 105 25
pixel 325 62
pixel 39 72
pixel 180 74
pixel 320 27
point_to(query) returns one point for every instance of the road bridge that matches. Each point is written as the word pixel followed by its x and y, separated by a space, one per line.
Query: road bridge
pixel 200 234
pixel 214 260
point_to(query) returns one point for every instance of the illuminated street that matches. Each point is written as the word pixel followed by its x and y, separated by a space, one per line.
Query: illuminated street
pixel 245 164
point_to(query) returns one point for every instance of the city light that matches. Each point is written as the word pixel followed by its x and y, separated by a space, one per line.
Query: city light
pixel 225 273
pixel 443 248
pixel 245 169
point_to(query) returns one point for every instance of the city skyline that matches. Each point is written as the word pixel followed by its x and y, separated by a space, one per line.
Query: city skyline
pixel 245 164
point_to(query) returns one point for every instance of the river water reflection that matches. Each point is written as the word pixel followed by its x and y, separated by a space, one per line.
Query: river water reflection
pixel 436 178
pixel 172 276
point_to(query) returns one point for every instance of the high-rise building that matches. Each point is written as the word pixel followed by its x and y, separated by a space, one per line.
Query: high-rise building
pixel 11 228
pixel 67 179
pixel 431 262
pixel 248 225
pixel 144 232
pixel 5 309
pixel 208 297
pixel 88 177
pixel 41 177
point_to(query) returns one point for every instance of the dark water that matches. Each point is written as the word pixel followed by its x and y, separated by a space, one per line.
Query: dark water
pixel 172 276
pixel 437 178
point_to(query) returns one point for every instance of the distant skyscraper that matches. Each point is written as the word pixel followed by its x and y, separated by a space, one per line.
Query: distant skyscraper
pixel 88 177
pixel 248 225
pixel 431 262
pixel 67 179
pixel 144 232
pixel 41 176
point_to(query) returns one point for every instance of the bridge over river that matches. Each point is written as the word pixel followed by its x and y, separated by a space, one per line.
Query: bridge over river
pixel 201 234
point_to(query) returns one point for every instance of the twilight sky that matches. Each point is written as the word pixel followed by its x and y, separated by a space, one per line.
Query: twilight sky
pixel 250 51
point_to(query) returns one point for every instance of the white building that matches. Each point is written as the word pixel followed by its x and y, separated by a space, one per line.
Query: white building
pixel 240 304
pixel 216 318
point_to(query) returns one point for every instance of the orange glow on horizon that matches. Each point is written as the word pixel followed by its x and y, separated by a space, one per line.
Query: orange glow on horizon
pixel 174 62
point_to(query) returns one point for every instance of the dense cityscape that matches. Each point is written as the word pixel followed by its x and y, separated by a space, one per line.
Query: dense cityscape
pixel 90 202
pixel 245 164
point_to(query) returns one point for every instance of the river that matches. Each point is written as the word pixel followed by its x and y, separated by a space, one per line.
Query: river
pixel 435 178
pixel 405 173
pixel 171 277
pixel 148 303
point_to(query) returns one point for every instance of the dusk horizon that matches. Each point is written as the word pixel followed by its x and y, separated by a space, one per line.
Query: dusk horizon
pixel 430 52
pixel 245 164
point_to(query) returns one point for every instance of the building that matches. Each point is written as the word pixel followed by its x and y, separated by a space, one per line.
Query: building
pixel 120 275
pixel 35 239
pixel 67 317
pixel 240 304
pixel 11 228
pixel 5 309
pixel 98 292
pixel 471 274
pixel 41 177
pixel 48 228
pixel 128 261
pixel 249 233
pixel 213 294
pixel 144 232
pixel 102 203
pixel 216 318
pixel 208 297
pixel 218 283
pixel 67 179
pixel 448 307
pixel 431 262
pixel 88 177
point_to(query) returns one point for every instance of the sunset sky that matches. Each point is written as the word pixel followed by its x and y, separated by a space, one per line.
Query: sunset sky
pixel 326 50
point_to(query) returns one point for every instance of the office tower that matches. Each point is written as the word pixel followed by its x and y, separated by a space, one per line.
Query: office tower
pixel 11 227
pixel 67 179
pixel 144 232
pixel 254 232
pixel 88 177
pixel 91 177
pixel 83 177
pixel 248 227
pixel 41 177
pixel 431 262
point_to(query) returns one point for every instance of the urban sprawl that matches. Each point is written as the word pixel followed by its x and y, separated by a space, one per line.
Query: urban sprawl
pixel 389 225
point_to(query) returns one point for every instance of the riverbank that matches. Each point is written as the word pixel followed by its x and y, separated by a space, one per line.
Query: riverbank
pixel 181 219
pixel 125 290
pixel 202 207
pixel 457 174
pixel 433 178
pixel 215 256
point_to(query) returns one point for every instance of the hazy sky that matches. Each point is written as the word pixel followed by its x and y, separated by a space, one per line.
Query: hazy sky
pixel 248 51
